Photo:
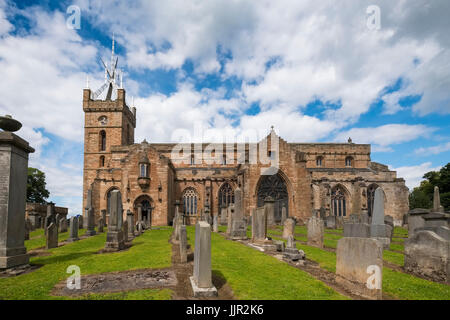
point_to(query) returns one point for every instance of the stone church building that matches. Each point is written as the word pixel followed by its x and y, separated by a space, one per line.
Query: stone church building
pixel 339 177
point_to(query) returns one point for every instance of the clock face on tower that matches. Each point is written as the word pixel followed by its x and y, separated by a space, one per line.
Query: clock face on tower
pixel 103 120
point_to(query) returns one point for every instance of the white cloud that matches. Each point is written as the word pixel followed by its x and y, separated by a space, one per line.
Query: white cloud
pixel 433 150
pixel 384 136
pixel 413 175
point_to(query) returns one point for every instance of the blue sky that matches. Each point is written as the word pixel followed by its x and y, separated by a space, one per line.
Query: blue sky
pixel 313 69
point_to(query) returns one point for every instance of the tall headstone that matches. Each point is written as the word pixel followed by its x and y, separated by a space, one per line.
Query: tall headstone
pixel 183 244
pixel 28 229
pixel 201 281
pixel 230 218
pixel 437 201
pixel 359 266
pixel 114 236
pixel 288 227
pixel 80 222
pixel 223 215
pixel 131 224
pixel 177 224
pixel 101 225
pixel 269 203
pixel 330 222
pixel 52 236
pixel 259 225
pixel 50 217
pixel 125 231
pixel 215 223
pixel 73 230
pixel 63 225
pixel 283 214
pixel 13 185
pixel 104 217
pixel 322 213
pixel 378 228
pixel 139 210
pixel 90 217
pixel 238 224
pixel 315 230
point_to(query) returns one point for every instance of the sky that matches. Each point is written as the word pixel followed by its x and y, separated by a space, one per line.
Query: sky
pixel 318 71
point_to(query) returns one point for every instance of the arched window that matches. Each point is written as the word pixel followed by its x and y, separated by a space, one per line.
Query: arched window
pixel 349 162
pixel 143 172
pixel 370 198
pixel 319 160
pixel 102 161
pixel 102 140
pixel 338 202
pixel 226 195
pixel 190 200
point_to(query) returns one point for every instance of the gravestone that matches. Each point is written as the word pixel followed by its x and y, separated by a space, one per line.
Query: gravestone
pixel 35 219
pixel 104 217
pixel 238 225
pixel 73 230
pixel 288 228
pixel 115 236
pixel 100 225
pixel 339 222
pixel 201 281
pixel 259 225
pixel 125 231
pixel 269 203
pixel 427 253
pixel 330 222
pixel 80 222
pixel 50 216
pixel 279 245
pixel 230 218
pixel 63 225
pixel 90 216
pixel 389 222
pixel 13 185
pixel 51 237
pixel 183 244
pixel 131 224
pixel 416 220
pixel 223 215
pixel 315 229
pixel 359 266
pixel 437 201
pixel 356 230
pixel 365 218
pixel 291 252
pixel 215 223
pixel 378 228
pixel 283 214
pixel 178 223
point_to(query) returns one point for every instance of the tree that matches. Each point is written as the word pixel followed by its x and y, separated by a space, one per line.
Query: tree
pixel 422 196
pixel 36 191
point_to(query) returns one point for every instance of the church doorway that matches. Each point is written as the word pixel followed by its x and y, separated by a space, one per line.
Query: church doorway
pixel 143 207
pixel 274 186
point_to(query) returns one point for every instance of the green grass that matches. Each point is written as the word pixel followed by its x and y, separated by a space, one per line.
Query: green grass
pixel 394 257
pixel 147 294
pixel 400 232
pixel 37 238
pixel 396 284
pixel 150 250
pixel 397 247
pixel 254 275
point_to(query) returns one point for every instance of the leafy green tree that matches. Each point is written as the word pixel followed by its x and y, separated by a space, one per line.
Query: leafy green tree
pixel 36 191
pixel 422 196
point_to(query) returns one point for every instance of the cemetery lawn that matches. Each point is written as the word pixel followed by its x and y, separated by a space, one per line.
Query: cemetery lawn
pixel 256 276
pixel 150 250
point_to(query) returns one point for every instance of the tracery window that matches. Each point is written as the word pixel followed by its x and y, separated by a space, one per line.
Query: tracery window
pixel 190 200
pixel 338 202
pixel 319 161
pixel 226 195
